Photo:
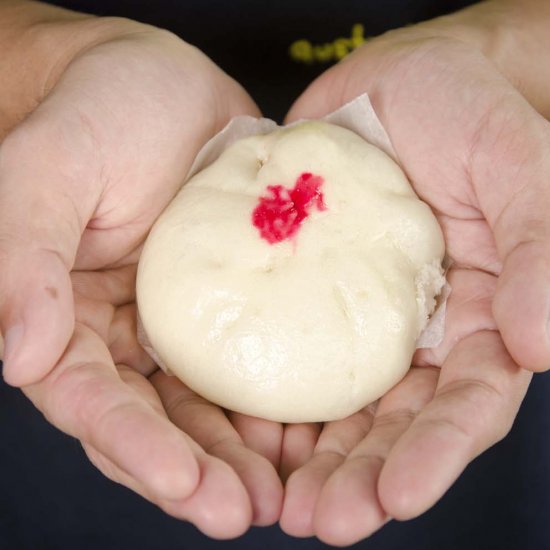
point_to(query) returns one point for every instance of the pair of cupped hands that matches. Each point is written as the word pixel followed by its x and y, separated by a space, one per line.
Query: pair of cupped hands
pixel 87 172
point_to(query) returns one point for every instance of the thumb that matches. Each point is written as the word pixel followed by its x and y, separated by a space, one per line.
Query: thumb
pixel 43 213
pixel 512 178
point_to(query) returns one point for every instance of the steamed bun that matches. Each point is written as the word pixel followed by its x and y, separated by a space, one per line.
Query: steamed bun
pixel 291 278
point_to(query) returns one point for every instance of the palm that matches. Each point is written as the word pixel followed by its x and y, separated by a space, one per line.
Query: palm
pixel 457 142
pixel 113 142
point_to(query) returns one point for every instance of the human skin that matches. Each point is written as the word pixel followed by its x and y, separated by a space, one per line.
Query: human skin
pixel 80 187
pixel 478 152
pixel 93 108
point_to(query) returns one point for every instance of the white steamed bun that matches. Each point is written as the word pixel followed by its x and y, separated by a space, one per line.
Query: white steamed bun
pixel 291 278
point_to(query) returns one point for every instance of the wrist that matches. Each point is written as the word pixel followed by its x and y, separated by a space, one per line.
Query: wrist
pixel 38 42
pixel 513 34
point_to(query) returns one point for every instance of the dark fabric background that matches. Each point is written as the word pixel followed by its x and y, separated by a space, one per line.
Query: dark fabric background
pixel 51 498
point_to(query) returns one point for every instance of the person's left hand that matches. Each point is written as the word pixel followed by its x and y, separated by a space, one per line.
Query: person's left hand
pixel 82 179
pixel 479 155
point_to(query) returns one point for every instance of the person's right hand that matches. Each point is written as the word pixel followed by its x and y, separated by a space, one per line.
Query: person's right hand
pixel 82 179
pixel 479 155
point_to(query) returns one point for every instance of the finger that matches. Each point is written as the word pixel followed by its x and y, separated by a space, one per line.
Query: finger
pixel 470 243
pixel 261 436
pixel 302 491
pixel 105 302
pixel 478 395
pixel 211 507
pixel 85 398
pixel 349 509
pixel 36 310
pixel 210 428
pixel 299 441
pixel 140 384
pixel 521 306
pixel 510 167
pixel 304 485
pixel 43 211
pixel 220 507
pixel 123 342
pixel 113 286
